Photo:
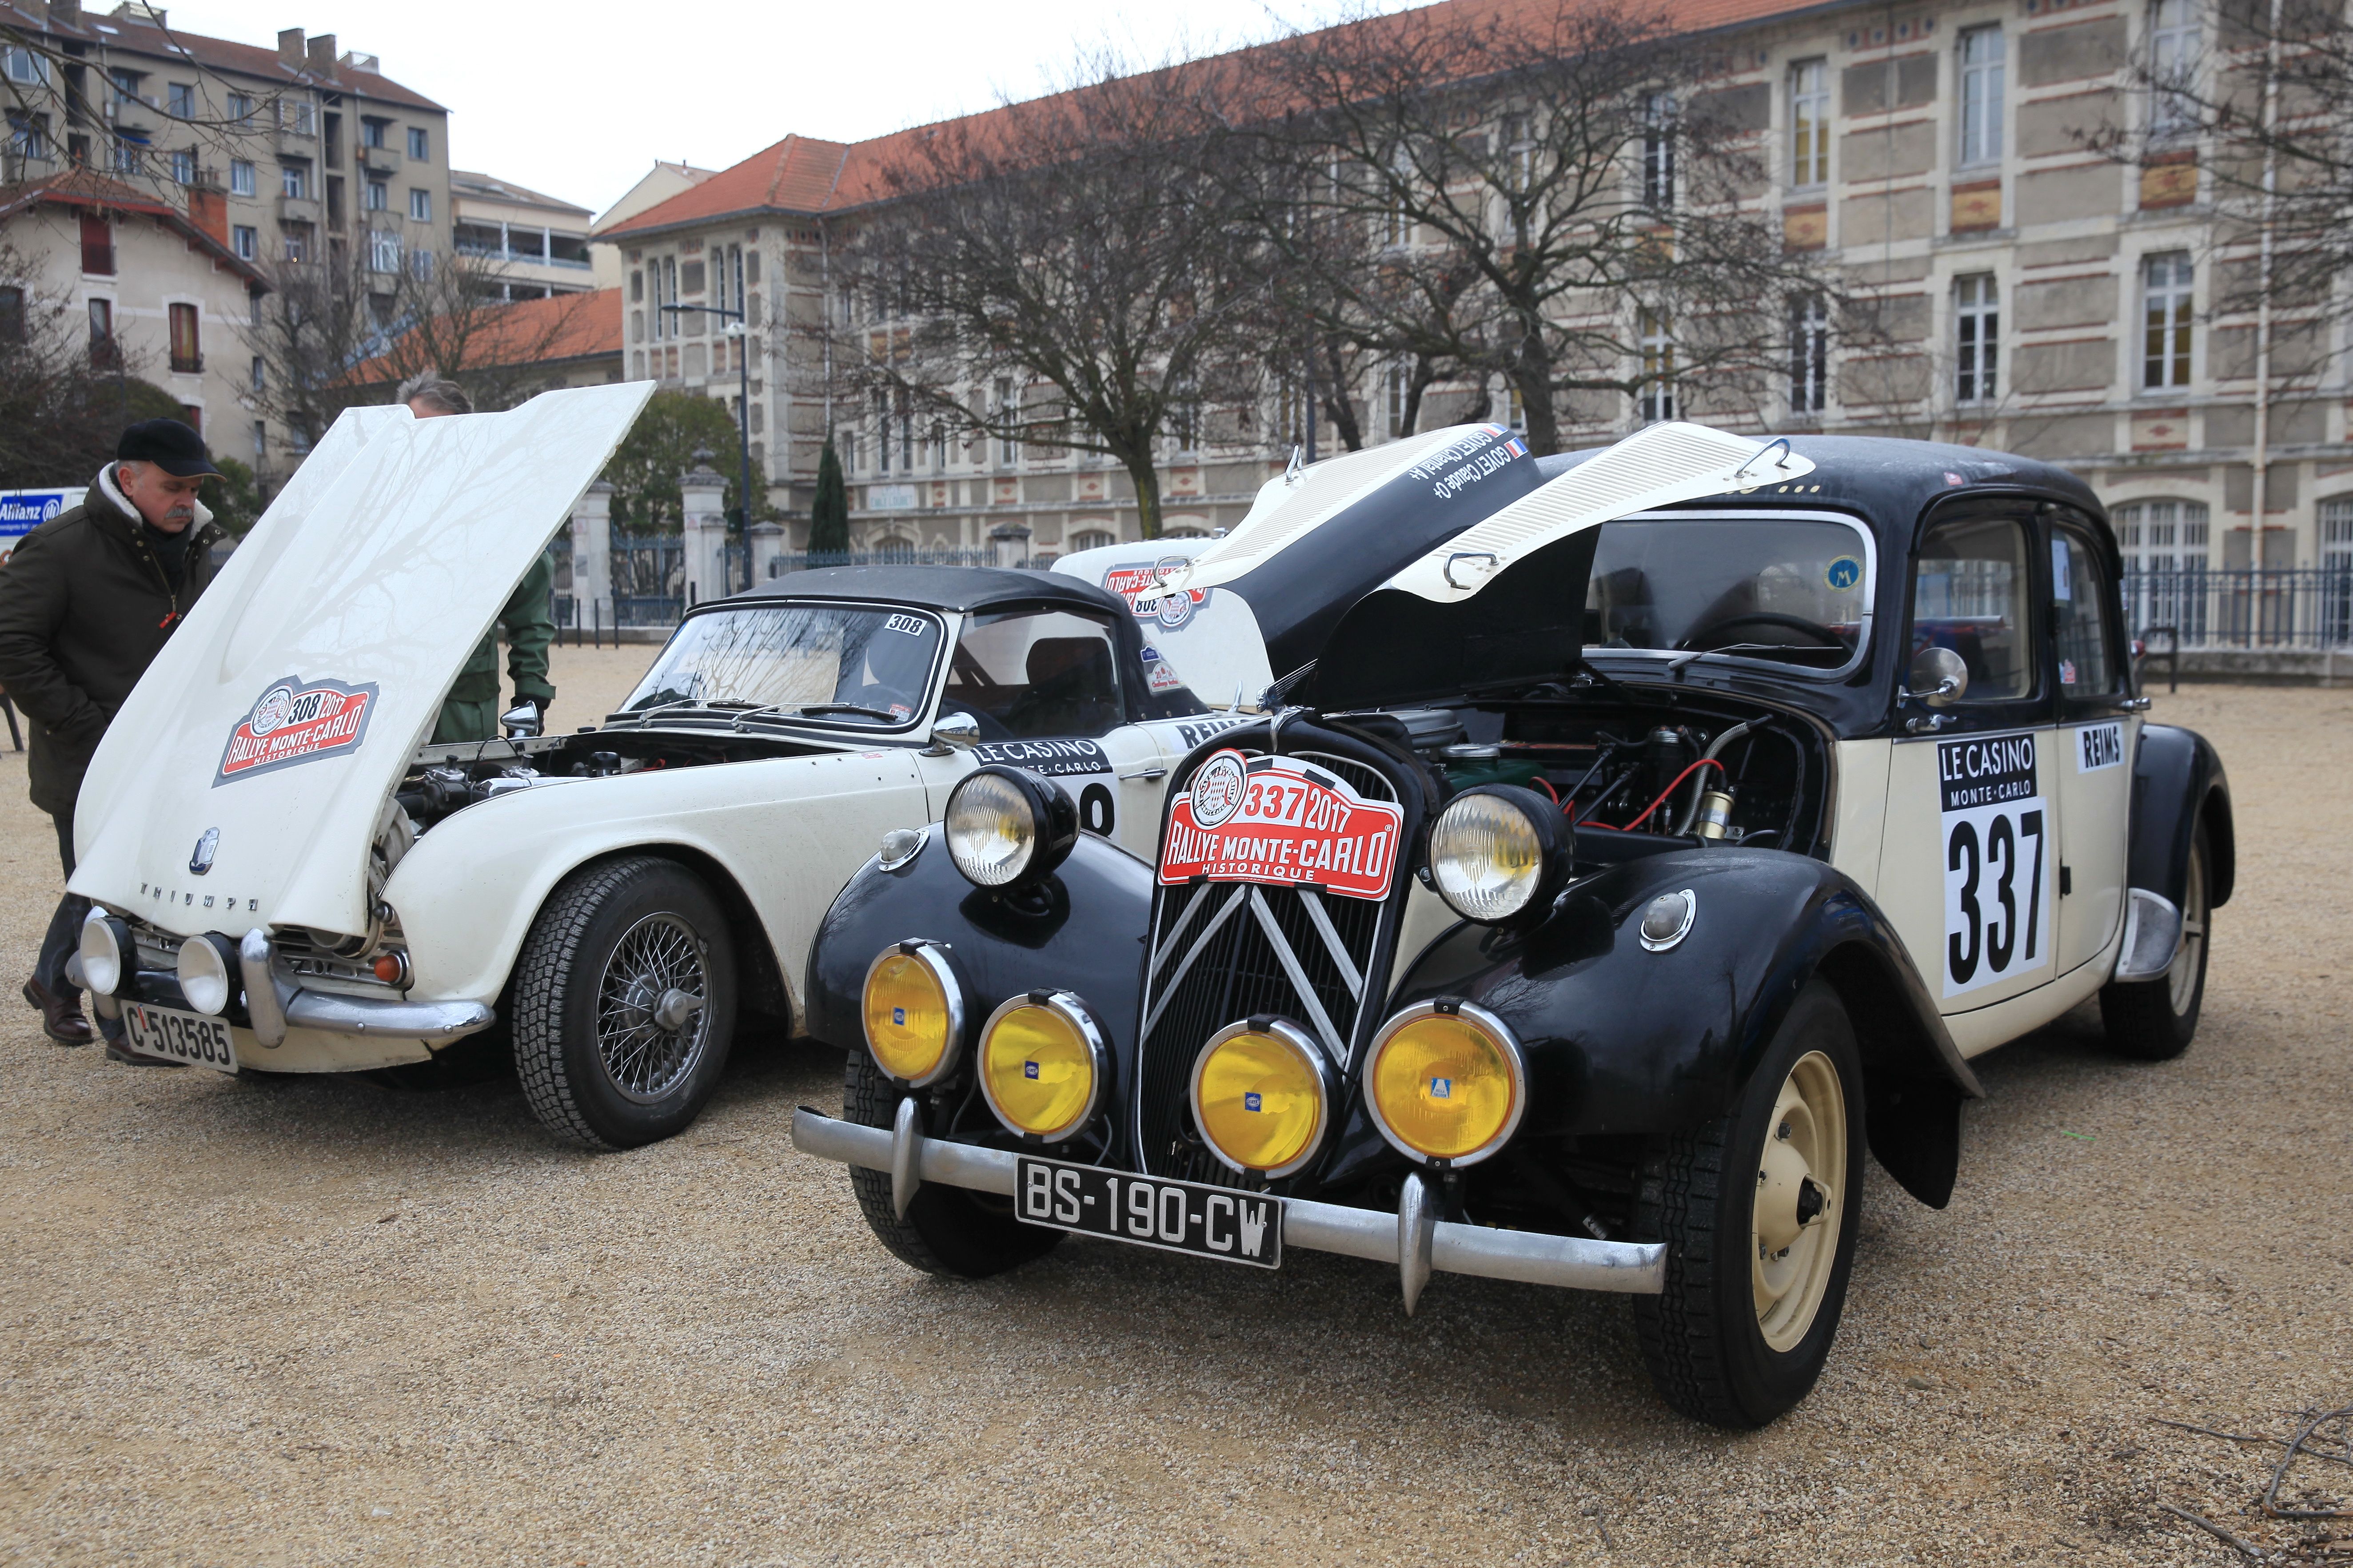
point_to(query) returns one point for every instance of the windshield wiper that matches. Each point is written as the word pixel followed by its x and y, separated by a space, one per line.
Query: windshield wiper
pixel 647 715
pixel 849 708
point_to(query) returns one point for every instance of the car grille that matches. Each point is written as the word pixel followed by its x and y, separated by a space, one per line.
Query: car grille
pixel 1222 951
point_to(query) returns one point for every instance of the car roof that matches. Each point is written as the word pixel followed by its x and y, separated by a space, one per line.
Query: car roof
pixel 931 588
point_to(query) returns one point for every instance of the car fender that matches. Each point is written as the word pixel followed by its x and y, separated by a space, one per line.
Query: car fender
pixel 1083 931
pixel 468 891
pixel 1623 1040
pixel 2177 783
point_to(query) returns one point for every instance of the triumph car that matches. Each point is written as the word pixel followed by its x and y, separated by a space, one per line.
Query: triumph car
pixel 1588 896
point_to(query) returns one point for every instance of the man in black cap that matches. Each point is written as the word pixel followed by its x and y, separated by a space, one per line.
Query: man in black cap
pixel 86 602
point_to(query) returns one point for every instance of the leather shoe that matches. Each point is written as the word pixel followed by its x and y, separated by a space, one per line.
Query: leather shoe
pixel 116 1051
pixel 62 1018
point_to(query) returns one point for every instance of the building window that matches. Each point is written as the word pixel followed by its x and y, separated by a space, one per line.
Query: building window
pixel 420 205
pixel 1657 400
pixel 240 178
pixel 240 111
pixel 28 134
pixel 882 431
pixel 1393 395
pixel 1091 539
pixel 1810 124
pixel 97 245
pixel 294 181
pixel 1008 450
pixel 245 241
pixel 101 328
pixel 1976 339
pixel 261 374
pixel 419 145
pixel 372 131
pixel 27 68
pixel 298 116
pixel 12 313
pixel 2172 66
pixel 260 442
pixel 1981 96
pixel 297 244
pixel 637 287
pixel 1659 153
pixel 906 435
pixel 384 251
pixel 378 196
pixel 1810 355
pixel 2162 535
pixel 420 266
pixel 184 167
pixel 2165 289
pixel 187 346
pixel 183 100
pixel 130 157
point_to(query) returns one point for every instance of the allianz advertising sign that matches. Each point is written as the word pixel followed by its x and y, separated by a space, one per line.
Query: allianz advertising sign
pixel 21 511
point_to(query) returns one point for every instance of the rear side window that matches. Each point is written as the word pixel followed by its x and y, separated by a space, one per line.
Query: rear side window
pixel 1029 673
pixel 2080 619
pixel 1970 593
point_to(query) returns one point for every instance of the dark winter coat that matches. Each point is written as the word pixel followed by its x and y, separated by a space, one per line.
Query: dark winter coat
pixel 85 606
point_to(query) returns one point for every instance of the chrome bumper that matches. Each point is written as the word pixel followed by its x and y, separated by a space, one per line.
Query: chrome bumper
pixel 1414 1239
pixel 275 1007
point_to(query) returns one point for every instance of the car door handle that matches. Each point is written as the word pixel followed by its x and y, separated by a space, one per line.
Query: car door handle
pixel 1145 773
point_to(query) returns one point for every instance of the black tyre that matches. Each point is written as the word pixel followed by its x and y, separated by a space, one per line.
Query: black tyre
pixel 1759 1211
pixel 624 1004
pixel 2155 1020
pixel 950 1231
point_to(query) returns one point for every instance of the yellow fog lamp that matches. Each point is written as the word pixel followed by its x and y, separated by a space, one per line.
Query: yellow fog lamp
pixel 1446 1081
pixel 1044 1065
pixel 914 1012
pixel 1263 1096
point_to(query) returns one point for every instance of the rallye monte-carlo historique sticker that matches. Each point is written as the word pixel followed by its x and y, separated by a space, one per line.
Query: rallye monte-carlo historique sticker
pixel 1270 819
pixel 1996 861
pixel 297 721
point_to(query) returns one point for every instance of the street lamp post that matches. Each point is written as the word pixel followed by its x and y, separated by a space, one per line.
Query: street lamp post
pixel 734 329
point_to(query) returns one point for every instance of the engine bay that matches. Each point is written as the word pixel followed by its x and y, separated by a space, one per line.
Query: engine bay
pixel 448 778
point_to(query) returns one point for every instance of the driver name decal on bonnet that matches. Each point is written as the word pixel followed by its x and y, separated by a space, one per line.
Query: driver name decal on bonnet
pixel 1268 819
pixel 1054 759
pixel 1467 461
pixel 297 721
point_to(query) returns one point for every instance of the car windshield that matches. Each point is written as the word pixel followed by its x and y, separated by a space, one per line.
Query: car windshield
pixel 1792 589
pixel 836 664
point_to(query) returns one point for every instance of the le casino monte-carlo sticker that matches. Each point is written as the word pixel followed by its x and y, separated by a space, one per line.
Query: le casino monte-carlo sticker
pixel 1998 860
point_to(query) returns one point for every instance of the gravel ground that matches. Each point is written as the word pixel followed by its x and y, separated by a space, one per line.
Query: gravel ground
pixel 312 1320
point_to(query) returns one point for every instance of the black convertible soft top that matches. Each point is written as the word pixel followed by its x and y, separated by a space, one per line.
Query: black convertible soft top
pixel 929 587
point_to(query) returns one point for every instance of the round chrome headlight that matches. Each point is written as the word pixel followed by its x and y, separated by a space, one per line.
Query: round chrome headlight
pixel 105 952
pixel 1495 850
pixel 1044 1065
pixel 1263 1096
pixel 204 973
pixel 914 1013
pixel 1007 825
pixel 1446 1081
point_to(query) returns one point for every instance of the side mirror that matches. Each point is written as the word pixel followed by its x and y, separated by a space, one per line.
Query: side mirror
pixel 1939 676
pixel 521 721
pixel 954 732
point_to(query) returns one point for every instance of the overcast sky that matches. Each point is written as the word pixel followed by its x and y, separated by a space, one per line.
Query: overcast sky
pixel 578 98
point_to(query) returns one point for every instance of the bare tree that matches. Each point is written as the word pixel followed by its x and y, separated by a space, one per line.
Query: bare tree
pixel 1560 203
pixel 1068 273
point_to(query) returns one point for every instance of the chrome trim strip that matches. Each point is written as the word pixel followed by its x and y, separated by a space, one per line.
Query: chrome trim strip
pixel 435 1023
pixel 2152 936
pixel 1532 1258
pixel 1313 899
pixel 1290 960
pixel 1167 989
pixel 1168 944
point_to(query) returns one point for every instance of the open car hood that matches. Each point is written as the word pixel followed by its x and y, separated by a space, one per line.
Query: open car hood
pixel 242 783
pixel 1504 600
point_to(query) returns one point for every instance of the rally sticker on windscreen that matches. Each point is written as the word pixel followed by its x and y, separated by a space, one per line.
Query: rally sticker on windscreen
pixel 1271 819
pixel 297 720
pixel 1996 861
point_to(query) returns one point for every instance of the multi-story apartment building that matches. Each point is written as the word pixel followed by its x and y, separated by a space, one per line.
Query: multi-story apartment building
pixel 538 244
pixel 657 185
pixel 307 154
pixel 2032 294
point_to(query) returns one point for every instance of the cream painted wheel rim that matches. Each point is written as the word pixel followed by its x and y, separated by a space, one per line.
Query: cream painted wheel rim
pixel 1801 1181
pixel 2181 980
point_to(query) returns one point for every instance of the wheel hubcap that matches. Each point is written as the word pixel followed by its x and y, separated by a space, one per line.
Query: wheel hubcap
pixel 2181 980
pixel 1796 1216
pixel 652 1021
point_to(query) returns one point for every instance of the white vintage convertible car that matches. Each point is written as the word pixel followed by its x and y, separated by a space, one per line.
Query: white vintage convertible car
pixel 287 878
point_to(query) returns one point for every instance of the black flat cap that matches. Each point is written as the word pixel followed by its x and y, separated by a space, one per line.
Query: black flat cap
pixel 166 443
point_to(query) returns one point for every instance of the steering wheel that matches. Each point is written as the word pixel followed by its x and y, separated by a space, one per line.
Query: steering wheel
pixel 1798 624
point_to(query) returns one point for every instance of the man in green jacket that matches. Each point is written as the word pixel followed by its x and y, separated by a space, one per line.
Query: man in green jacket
pixel 86 602
pixel 470 711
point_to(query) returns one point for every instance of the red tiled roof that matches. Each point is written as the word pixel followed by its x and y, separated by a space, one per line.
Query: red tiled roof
pixel 583 326
pixel 89 188
pixel 125 31
pixel 802 176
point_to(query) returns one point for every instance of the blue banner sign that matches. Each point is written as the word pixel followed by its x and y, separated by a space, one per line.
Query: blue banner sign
pixel 21 511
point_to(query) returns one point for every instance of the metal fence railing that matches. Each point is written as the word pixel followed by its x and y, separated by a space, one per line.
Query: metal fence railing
pixel 2301 607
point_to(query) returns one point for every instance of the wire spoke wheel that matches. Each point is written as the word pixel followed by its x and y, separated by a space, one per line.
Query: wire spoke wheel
pixel 1794 1221
pixel 651 1021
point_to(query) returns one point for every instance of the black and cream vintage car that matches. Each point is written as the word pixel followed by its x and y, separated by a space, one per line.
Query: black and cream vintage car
pixel 1672 826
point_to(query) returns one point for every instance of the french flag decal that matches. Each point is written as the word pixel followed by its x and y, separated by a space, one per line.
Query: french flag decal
pixel 1516 448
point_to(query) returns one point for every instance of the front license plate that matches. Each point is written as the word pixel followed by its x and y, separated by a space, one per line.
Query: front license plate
pixel 182 1036
pixel 1175 1216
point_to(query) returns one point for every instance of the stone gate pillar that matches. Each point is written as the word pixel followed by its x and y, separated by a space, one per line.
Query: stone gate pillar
pixel 592 557
pixel 704 493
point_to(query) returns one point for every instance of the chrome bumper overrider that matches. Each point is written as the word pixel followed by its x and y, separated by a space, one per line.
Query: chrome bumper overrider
pixel 1414 1239
pixel 275 1007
